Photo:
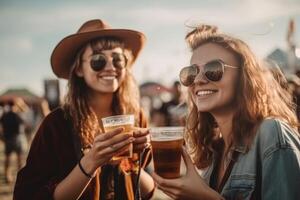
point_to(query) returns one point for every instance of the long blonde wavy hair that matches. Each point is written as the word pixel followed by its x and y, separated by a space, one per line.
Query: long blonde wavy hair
pixel 125 99
pixel 257 98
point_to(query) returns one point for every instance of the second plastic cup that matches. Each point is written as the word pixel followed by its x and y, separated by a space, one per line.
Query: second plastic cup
pixel 167 149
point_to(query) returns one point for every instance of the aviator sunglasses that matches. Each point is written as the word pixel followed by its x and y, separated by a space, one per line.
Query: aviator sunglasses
pixel 99 61
pixel 212 71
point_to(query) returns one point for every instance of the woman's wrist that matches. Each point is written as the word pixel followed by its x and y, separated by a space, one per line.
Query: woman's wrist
pixel 87 167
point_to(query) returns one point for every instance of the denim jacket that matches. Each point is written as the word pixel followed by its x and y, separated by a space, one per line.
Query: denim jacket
pixel 270 170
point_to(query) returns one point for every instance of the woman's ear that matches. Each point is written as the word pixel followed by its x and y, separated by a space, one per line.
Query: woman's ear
pixel 78 71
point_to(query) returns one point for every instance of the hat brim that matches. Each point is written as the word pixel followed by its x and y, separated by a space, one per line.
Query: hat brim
pixel 64 53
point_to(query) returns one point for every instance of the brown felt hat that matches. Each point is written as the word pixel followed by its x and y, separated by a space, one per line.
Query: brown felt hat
pixel 64 53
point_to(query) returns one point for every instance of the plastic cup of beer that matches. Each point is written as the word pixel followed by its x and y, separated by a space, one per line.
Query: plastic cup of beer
pixel 167 149
pixel 117 121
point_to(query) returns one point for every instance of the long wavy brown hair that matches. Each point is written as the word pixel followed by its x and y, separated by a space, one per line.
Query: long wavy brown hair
pixel 125 99
pixel 257 98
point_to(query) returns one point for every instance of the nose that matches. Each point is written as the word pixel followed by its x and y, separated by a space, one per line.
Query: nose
pixel 109 64
pixel 200 79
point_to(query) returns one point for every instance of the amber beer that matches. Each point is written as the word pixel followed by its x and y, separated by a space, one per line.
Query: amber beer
pixel 118 121
pixel 167 149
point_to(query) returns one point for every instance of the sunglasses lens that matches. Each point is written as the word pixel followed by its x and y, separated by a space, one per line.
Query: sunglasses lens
pixel 213 71
pixel 119 61
pixel 188 74
pixel 98 62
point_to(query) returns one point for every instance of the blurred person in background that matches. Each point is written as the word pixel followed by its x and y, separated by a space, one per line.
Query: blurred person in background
pixel 158 118
pixel 70 156
pixel 175 109
pixel 12 126
pixel 241 131
pixel 294 89
pixel 289 83
pixel 276 72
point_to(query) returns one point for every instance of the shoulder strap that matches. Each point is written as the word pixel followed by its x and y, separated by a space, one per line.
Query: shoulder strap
pixel 228 171
pixel 143 160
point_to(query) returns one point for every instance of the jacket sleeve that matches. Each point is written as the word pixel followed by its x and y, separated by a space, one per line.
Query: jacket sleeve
pixel 39 177
pixel 281 175
pixel 281 167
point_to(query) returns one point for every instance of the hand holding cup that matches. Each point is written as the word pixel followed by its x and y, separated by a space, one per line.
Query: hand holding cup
pixel 106 146
pixel 142 139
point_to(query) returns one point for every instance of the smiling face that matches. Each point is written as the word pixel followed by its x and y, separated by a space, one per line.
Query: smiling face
pixel 106 80
pixel 219 96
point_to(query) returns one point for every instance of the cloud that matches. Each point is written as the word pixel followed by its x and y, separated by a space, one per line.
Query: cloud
pixel 255 11
pixel 23 45
pixel 15 46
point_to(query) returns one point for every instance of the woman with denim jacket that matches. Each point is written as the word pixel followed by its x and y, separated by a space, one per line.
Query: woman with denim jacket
pixel 241 129
pixel 71 156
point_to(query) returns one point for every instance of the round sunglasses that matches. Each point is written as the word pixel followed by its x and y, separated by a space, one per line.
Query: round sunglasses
pixel 212 71
pixel 99 61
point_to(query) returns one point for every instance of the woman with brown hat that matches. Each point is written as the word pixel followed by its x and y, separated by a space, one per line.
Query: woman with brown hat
pixel 68 158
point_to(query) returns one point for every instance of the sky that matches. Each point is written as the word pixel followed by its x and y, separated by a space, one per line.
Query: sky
pixel 31 29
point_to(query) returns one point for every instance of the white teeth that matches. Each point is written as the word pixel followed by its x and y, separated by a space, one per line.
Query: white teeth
pixel 204 92
pixel 108 77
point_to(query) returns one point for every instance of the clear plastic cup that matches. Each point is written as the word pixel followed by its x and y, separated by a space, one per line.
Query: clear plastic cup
pixel 117 121
pixel 167 149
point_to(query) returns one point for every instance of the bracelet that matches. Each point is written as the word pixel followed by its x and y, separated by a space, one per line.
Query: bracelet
pixel 83 171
